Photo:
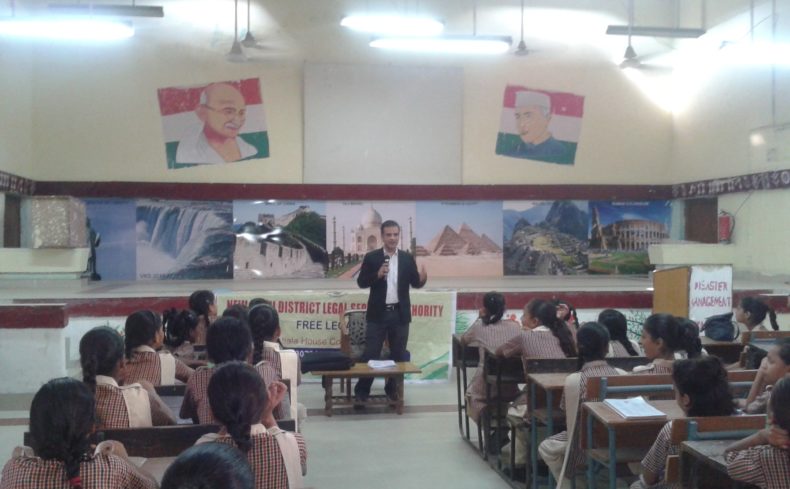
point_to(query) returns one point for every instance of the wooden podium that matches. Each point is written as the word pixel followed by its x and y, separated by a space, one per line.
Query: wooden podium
pixel 696 292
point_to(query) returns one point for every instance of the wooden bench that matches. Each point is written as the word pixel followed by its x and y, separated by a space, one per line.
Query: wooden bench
pixel 160 441
pixel 756 346
pixel 713 428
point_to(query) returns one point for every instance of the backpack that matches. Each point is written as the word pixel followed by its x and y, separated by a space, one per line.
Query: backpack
pixel 326 360
pixel 721 327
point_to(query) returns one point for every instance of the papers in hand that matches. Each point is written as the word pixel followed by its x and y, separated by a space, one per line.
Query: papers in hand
pixel 634 408
pixel 381 363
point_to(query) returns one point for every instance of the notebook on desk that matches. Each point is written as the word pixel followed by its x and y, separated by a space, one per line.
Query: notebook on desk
pixel 634 408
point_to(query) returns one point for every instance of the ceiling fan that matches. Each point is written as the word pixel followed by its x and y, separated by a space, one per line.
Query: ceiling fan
pixel 236 54
pixel 521 49
pixel 249 40
pixel 630 58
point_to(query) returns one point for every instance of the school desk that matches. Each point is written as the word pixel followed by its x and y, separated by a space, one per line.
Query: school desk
pixel 702 465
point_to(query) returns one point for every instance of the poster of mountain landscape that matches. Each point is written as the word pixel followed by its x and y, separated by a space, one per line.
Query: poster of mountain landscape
pixel 620 233
pixel 545 237
pixel 282 239
pixel 184 240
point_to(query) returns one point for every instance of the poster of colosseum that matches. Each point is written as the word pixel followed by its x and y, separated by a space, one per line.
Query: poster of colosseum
pixel 354 228
pixel 460 239
pixel 279 239
pixel 620 233
pixel 545 237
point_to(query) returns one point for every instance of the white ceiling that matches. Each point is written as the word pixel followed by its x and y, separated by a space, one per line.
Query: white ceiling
pixel 309 29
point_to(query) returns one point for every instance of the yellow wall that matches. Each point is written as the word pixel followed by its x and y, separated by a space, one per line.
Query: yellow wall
pixel 16 135
pixel 97 119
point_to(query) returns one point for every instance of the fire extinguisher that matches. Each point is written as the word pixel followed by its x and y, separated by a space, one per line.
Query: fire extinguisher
pixel 726 225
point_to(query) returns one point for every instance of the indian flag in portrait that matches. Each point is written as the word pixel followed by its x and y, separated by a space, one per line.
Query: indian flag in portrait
pixel 540 125
pixel 212 124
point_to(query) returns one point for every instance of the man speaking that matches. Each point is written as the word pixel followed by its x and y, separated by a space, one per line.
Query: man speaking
pixel 388 272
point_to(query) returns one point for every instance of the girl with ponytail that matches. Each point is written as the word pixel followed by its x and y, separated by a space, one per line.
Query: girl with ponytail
pixel 661 338
pixel 489 331
pixel 201 302
pixel 118 405
pixel 144 335
pixel 545 335
pixel 181 333
pixel 619 345
pixel 243 405
pixel 751 313
pixel 62 418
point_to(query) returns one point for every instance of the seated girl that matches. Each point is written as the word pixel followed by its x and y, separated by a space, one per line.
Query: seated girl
pixel 180 335
pixel 593 342
pixel 662 336
pixel 243 405
pixel 209 466
pixel 689 330
pixel 227 340
pixel 751 313
pixel 774 366
pixel 62 419
pixel 619 345
pixel 544 335
pixel 701 389
pixel 763 459
pixel 567 314
pixel 202 303
pixel 144 335
pixel 488 331
pixel 118 404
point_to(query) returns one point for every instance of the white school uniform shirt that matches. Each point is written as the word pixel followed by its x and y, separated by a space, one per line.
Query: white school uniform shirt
pixel 392 279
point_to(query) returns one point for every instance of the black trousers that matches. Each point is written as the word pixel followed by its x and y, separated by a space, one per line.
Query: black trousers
pixel 396 333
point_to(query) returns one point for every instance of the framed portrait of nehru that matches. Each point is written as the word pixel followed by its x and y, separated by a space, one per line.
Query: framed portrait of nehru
pixel 213 124
pixel 540 125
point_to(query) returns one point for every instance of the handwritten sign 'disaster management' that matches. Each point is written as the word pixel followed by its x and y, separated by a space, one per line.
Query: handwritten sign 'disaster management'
pixel 710 291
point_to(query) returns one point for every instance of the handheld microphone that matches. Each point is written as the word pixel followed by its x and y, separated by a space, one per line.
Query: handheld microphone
pixel 387 264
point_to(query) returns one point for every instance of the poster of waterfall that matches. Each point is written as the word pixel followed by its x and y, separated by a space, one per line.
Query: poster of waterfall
pixel 184 240
pixel 620 233
pixel 545 237
pixel 113 220
pixel 460 238
pixel 279 239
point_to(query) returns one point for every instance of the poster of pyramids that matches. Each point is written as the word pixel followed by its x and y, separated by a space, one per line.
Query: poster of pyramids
pixel 545 237
pixel 460 239
pixel 354 227
pixel 279 239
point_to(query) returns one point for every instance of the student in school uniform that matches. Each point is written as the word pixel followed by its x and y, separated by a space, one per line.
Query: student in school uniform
pixel 144 335
pixel 662 336
pixel 264 324
pixel 774 366
pixel 701 389
pixel 118 404
pixel 619 344
pixel 751 313
pixel 763 459
pixel 544 334
pixel 62 418
pixel 227 340
pixel 567 314
pixel 243 405
pixel 202 303
pixel 488 331
pixel 238 311
pixel 593 342
pixel 209 466
pixel 180 335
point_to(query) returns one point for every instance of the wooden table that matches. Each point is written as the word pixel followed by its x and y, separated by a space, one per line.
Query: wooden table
pixel 360 370
pixel 551 385
pixel 704 461
pixel 632 435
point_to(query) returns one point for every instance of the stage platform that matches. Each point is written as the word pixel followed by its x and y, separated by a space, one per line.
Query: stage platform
pixel 92 299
